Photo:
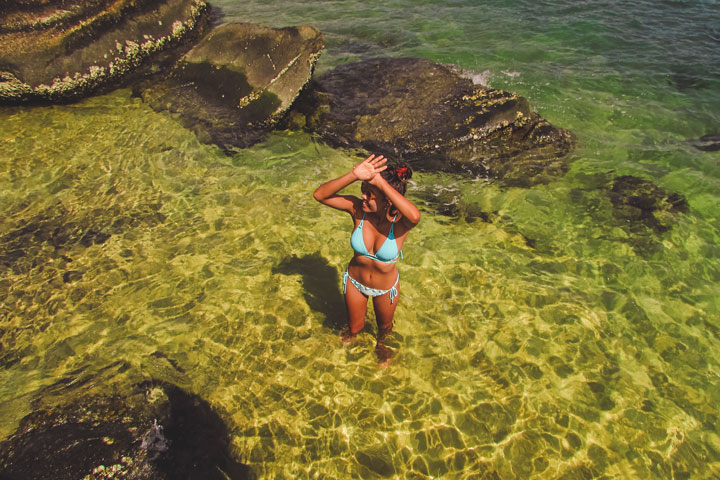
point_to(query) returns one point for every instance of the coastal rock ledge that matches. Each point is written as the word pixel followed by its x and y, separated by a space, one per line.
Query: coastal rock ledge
pixel 55 51
pixel 434 118
pixel 238 81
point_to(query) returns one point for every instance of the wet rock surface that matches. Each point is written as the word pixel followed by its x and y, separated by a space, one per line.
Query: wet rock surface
pixel 156 431
pixel 55 51
pixel 235 85
pixel 431 116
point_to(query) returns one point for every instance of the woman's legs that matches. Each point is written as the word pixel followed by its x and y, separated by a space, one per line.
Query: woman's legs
pixel 384 313
pixel 356 306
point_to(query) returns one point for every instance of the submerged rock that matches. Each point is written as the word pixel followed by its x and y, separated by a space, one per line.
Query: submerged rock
pixel 54 51
pixel 53 233
pixel 238 81
pixel 637 201
pixel 640 208
pixel 707 143
pixel 688 77
pixel 450 204
pixel 154 432
pixel 431 116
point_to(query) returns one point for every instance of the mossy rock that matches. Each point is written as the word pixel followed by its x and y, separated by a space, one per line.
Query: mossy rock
pixel 431 116
pixel 238 81
pixel 53 51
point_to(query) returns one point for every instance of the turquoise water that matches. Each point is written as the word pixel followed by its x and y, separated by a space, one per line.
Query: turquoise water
pixel 552 341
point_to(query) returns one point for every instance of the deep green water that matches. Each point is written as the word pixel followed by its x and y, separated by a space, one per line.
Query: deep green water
pixel 554 341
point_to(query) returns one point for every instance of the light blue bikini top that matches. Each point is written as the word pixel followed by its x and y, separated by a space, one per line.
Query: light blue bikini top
pixel 387 253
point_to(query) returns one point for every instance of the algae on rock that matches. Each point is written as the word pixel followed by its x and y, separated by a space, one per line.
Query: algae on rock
pixel 61 51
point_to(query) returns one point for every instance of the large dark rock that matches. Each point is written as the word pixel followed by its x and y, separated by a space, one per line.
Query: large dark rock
pixel 238 81
pixel 52 50
pixel 154 432
pixel 431 116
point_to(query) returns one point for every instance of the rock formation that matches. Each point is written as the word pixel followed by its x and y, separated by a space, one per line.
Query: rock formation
pixel 238 81
pixel 60 50
pixel 156 431
pixel 431 116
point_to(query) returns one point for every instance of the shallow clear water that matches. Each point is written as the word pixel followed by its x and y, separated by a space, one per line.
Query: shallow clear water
pixel 552 341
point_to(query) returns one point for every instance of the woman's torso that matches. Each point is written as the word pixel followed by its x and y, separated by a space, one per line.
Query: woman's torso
pixel 377 239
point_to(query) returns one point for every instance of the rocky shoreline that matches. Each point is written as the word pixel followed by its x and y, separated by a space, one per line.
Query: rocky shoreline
pixel 240 81
pixel 235 85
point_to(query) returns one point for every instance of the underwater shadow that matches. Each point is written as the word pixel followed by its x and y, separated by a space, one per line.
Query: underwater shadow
pixel 321 284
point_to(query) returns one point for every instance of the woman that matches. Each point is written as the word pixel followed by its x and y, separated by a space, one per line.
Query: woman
pixel 382 219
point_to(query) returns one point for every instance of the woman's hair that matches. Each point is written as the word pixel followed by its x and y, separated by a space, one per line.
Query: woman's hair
pixel 397 176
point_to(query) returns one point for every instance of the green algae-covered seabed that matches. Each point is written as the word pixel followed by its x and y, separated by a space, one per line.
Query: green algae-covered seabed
pixel 553 341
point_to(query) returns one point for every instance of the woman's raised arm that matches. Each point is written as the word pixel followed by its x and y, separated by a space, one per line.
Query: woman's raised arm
pixel 410 212
pixel 366 170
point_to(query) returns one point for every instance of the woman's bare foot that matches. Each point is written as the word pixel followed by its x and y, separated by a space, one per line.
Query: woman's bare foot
pixel 348 337
pixel 384 355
